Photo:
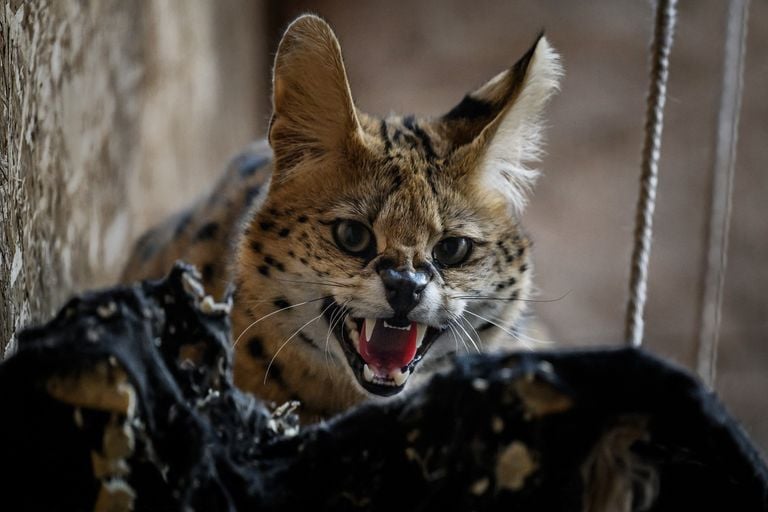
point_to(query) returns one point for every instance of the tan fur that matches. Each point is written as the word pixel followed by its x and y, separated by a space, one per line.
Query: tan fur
pixel 412 181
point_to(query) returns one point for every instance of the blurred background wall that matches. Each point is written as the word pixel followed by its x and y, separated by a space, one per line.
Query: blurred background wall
pixel 118 112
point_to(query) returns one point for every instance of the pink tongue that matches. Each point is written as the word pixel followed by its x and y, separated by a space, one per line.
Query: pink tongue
pixel 388 349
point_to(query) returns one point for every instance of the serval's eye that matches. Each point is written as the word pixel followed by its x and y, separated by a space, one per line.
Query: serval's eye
pixel 353 237
pixel 452 251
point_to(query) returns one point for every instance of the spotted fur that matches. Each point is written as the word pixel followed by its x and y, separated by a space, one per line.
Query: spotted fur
pixel 267 226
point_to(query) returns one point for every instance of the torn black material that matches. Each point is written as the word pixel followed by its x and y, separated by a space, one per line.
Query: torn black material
pixel 126 399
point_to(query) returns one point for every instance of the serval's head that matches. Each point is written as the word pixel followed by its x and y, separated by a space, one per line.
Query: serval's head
pixel 399 231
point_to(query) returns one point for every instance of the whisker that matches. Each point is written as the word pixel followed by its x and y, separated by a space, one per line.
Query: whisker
pixel 509 328
pixel 276 312
pixel 455 339
pixel 469 338
pixel 508 299
pixel 452 323
pixel 457 335
pixel 486 319
pixel 322 283
pixel 525 339
pixel 269 366
pixel 336 317
pixel 531 339
pixel 477 335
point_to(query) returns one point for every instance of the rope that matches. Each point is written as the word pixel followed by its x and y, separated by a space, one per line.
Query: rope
pixel 666 13
pixel 726 136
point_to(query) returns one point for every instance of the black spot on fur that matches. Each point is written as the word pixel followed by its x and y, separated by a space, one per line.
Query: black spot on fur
pixel 520 252
pixel 184 221
pixel 208 270
pixel 426 142
pixel 255 246
pixel 276 374
pixel 266 225
pixel 272 262
pixel 470 108
pixel 147 247
pixel 291 254
pixel 397 181
pixel 385 136
pixel 251 193
pixel 248 164
pixel 306 339
pixel 485 327
pixel 281 303
pixel 523 268
pixel 304 261
pixel 208 231
pixel 302 219
pixel 263 270
pixel 256 347
pixel 284 233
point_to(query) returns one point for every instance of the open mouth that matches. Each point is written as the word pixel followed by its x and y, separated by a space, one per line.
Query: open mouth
pixel 383 353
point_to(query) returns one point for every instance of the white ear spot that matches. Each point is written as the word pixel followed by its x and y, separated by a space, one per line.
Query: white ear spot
pixel 517 140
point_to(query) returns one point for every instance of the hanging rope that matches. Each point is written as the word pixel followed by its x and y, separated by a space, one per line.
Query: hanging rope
pixel 666 14
pixel 713 273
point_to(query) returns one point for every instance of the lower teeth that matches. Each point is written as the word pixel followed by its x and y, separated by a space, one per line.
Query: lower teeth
pixel 397 376
pixel 367 373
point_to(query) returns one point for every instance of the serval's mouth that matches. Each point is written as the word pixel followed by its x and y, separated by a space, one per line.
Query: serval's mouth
pixel 382 352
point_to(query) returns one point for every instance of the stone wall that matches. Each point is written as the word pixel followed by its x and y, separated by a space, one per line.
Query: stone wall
pixel 113 113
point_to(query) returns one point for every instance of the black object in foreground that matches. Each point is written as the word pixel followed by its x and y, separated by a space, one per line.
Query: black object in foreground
pixel 125 401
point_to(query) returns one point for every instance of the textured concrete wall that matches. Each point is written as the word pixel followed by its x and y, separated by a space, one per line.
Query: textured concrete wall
pixel 113 113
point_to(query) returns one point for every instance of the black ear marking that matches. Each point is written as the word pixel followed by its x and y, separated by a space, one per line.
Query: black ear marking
pixel 470 109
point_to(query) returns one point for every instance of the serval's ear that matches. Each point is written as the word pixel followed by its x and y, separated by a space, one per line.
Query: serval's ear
pixel 313 112
pixel 499 125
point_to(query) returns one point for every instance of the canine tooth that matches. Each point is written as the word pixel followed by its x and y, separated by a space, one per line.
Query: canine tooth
pixel 367 373
pixel 399 376
pixel 369 324
pixel 421 330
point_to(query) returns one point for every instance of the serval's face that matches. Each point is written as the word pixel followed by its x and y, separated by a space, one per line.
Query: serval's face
pixel 397 230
